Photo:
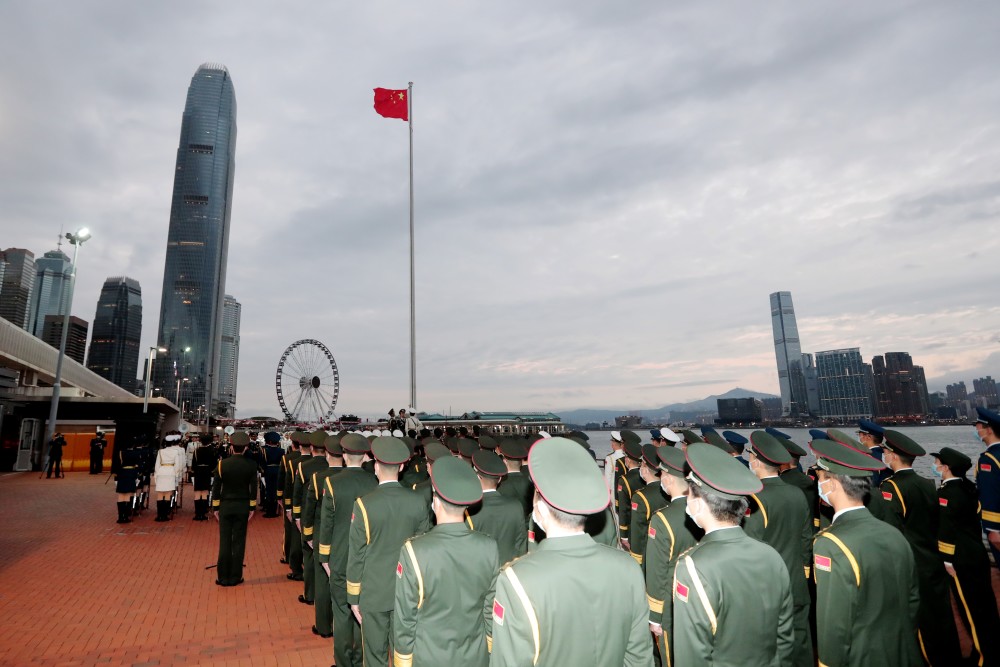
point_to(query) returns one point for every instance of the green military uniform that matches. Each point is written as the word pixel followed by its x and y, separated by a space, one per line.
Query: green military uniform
pixel 778 515
pixel 537 616
pixel 444 583
pixel 308 468
pixel 671 533
pixel 291 551
pixel 343 488
pixel 620 468
pixel 628 484
pixel 298 487
pixel 732 604
pixel 313 508
pixel 496 515
pixel 516 484
pixel 234 497
pixel 912 507
pixel 433 450
pixel 381 522
pixel 643 504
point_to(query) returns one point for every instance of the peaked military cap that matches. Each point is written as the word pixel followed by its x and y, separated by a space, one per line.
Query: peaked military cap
pixel 630 436
pixel 355 443
pixel 240 439
pixel 717 440
pixel 633 450
pixel 616 436
pixel 690 437
pixel 669 435
pixel 272 438
pixel 567 478
pixel 958 462
pixel 817 433
pixel 671 460
pixel 316 438
pixel 840 459
pixel 988 417
pixel 792 448
pixel 332 444
pixel 844 439
pixel 390 451
pixel 466 447
pixel 456 482
pixel 487 442
pixel 737 441
pixel 655 434
pixel 296 437
pixel 776 433
pixel 902 444
pixel 487 463
pixel 767 447
pixel 578 434
pixel 705 430
pixel 513 448
pixel 434 450
pixel 650 457
pixel 721 473
pixel 868 426
pixel 410 443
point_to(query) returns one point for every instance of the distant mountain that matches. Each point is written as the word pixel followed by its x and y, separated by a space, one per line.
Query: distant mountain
pixel 707 404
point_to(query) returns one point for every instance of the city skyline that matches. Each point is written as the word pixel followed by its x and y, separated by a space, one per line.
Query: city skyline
pixel 598 221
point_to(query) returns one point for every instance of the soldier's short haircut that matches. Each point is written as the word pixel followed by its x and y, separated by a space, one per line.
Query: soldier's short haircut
pixel 722 509
pixel 567 520
pixel 451 508
pixel 237 449
pixel 353 459
pixel 855 488
pixel 878 438
pixel 768 466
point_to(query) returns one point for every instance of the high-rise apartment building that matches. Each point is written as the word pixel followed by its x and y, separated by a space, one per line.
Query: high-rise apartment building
pixel 986 391
pixel 788 354
pixel 76 339
pixel 900 388
pixel 114 343
pixel 17 285
pixel 194 275
pixel 843 390
pixel 229 365
pixel 50 294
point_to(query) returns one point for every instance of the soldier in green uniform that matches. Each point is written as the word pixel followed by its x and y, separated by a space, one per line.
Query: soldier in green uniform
pixel 645 502
pixel 866 586
pixel 571 601
pixel 433 450
pixel 791 474
pixel 912 506
pixel 732 604
pixel 341 490
pixel 381 522
pixel 515 483
pixel 960 543
pixel 292 551
pixel 671 533
pixel 444 579
pixel 307 507
pixel 628 483
pixel 312 513
pixel 780 516
pixel 496 515
pixel 234 498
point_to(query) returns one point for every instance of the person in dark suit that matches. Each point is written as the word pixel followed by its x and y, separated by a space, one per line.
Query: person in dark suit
pixel 56 445
pixel 234 499
pixel 97 445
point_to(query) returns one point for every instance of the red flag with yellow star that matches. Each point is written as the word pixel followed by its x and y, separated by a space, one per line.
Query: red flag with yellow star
pixel 391 103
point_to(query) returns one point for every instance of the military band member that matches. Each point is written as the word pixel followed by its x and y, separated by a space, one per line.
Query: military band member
pixel 307 504
pixel 166 474
pixel 125 467
pixel 291 553
pixel 203 462
pixel 272 456
pixel 732 601
pixel 495 515
pixel 628 483
pixel 234 499
pixel 444 579
pixel 866 585
pixel 515 483
pixel 644 502
pixel 381 522
pixel 960 543
pixel 912 506
pixel 988 476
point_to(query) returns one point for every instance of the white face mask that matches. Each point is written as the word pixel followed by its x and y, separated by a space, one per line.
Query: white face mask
pixel 687 509
pixel 535 515
pixel 825 497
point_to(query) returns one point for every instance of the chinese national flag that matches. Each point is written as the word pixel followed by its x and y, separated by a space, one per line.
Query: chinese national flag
pixel 391 103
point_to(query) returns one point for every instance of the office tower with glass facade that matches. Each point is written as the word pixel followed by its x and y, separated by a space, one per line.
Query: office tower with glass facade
pixel 194 275
pixel 53 274
pixel 114 343
pixel 16 288
pixel 788 353
pixel 229 365
pixel 843 389
pixel 76 339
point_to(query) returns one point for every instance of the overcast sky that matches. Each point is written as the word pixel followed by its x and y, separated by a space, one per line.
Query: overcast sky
pixel 606 193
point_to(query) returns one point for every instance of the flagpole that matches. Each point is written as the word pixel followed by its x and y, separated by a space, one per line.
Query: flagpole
pixel 413 316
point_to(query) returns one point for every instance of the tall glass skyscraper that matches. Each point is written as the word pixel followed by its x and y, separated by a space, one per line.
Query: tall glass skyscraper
pixel 229 365
pixel 114 343
pixel 53 272
pixel 843 387
pixel 194 276
pixel 788 352
pixel 16 288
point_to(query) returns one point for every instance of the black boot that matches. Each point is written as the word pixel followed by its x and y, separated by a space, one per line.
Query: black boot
pixel 199 509
pixel 161 510
pixel 123 512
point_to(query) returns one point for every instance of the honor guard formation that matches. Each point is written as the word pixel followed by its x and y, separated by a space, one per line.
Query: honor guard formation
pixel 408 547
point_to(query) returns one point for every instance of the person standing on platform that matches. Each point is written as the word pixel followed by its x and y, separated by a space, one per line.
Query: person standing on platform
pixel 272 455
pixel 867 596
pixel 911 505
pixel 342 489
pixel 732 601
pixel 125 468
pixel 988 477
pixel 381 522
pixel 442 613
pixel 288 463
pixel 203 462
pixel 97 445
pixel 515 484
pixel 323 625
pixel 779 516
pixel 671 533
pixel 571 601
pixel 304 499
pixel 411 425
pixel 54 464
pixel 496 515
pixel 165 467
pixel 647 500
pixel 234 499
pixel 960 543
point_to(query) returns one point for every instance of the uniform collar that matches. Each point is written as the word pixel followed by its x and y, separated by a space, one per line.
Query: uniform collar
pixel 724 534
pixel 391 481
pixel 566 542
pixel 837 515
pixel 459 528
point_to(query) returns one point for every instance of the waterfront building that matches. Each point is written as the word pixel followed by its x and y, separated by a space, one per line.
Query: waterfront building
pixel 17 285
pixel 114 344
pixel 986 392
pixel 788 354
pixel 76 339
pixel 843 391
pixel 900 386
pixel 194 274
pixel 772 407
pixel 498 423
pixel 50 293
pixel 739 410
pixel 230 363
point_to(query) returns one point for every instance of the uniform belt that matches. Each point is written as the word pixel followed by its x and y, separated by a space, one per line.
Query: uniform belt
pixel 128 467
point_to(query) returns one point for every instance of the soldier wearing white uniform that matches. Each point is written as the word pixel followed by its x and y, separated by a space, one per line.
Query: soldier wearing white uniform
pixel 168 460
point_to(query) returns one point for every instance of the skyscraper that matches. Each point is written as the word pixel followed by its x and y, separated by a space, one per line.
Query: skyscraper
pixel 194 275
pixel 788 352
pixel 18 281
pixel 986 391
pixel 114 344
pixel 843 388
pixel 230 362
pixel 76 339
pixel 900 388
pixel 51 291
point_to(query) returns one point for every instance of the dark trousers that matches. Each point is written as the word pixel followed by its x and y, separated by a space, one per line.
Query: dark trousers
pixel 96 462
pixel 376 634
pixel 54 465
pixel 308 572
pixel 233 518
pixel 323 606
pixel 936 630
pixel 294 552
pixel 270 500
pixel 346 631
pixel 973 592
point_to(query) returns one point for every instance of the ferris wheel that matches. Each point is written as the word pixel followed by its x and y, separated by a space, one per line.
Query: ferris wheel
pixel 307 382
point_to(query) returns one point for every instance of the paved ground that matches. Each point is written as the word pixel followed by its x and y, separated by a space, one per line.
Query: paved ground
pixel 78 589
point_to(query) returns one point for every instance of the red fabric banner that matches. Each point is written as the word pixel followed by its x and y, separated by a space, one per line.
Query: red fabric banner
pixel 391 103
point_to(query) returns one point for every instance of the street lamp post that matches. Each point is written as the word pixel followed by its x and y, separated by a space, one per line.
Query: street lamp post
pixel 76 240
pixel 177 401
pixel 149 372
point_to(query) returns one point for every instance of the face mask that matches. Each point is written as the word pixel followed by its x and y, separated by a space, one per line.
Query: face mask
pixel 825 497
pixel 936 471
pixel 687 509
pixel 535 515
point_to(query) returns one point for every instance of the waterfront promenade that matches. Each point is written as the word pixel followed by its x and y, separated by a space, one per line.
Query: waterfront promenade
pixel 78 589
